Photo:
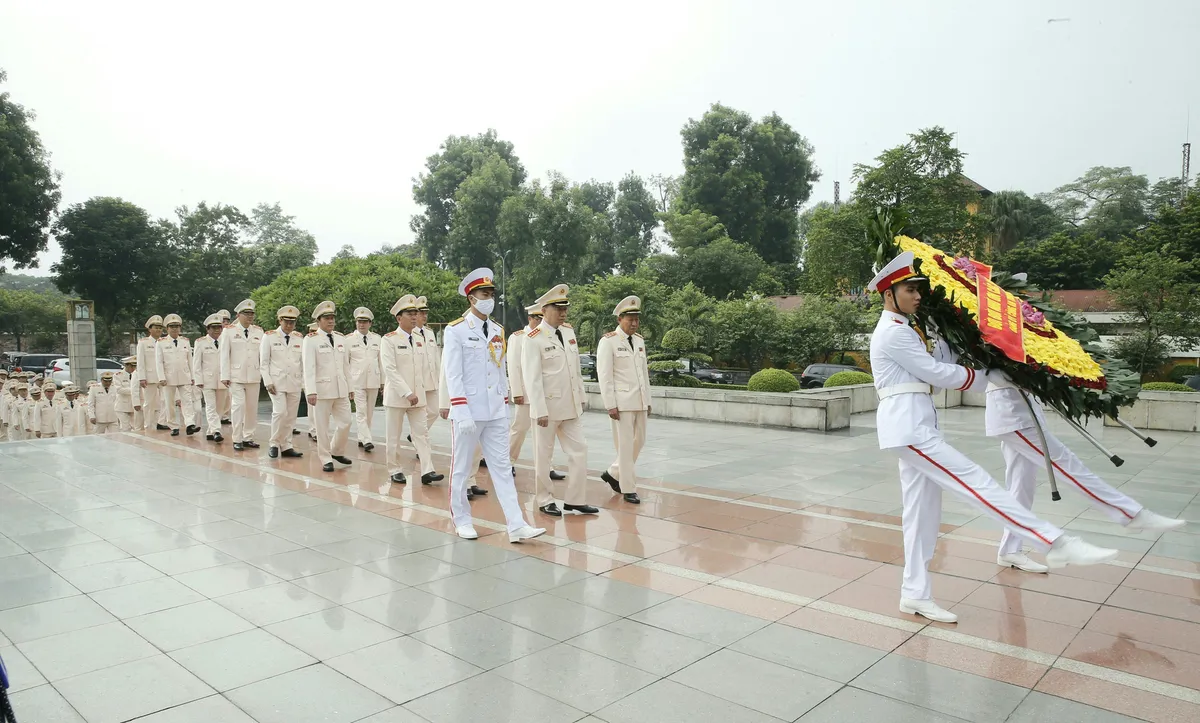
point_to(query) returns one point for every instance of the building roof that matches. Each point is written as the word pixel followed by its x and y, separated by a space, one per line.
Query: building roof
pixel 789 302
pixel 976 187
pixel 1084 300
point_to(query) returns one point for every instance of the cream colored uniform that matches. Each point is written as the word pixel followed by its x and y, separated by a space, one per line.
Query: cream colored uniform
pixel 138 399
pixel 16 425
pixel 124 405
pixel 102 408
pixel 173 366
pixel 68 414
pixel 45 419
pixel 365 379
pixel 239 354
pixel 153 411
pixel 554 388
pixel 433 375
pixel 326 367
pixel 206 368
pixel 280 364
pixel 624 379
pixel 402 359
pixel 5 403
pixel 522 418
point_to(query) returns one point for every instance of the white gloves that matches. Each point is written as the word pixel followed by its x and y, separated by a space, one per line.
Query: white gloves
pixel 466 426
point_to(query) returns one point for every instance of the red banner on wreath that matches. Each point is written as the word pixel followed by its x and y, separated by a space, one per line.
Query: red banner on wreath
pixel 1000 319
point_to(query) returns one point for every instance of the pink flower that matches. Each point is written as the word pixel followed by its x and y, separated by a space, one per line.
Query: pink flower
pixel 1032 315
pixel 964 265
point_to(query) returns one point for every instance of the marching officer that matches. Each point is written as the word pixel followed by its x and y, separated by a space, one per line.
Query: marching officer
pixel 224 408
pixel 102 402
pixel 311 413
pixel 17 424
pixel 35 398
pixel 68 411
pixel 554 387
pixel 326 382
pixel 403 360
pixel 240 344
pixel 173 367
pixel 206 367
pixel 45 420
pixel 478 394
pixel 624 377
pixel 365 377
pixel 123 383
pixel 154 412
pixel 433 363
pixel 906 371
pixel 6 397
pixel 522 419
pixel 280 362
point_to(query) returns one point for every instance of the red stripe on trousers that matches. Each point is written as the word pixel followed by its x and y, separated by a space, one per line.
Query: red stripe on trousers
pixel 978 496
pixel 450 494
pixel 1068 476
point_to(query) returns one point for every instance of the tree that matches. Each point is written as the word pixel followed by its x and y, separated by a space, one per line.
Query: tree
pixel 347 251
pixel 592 306
pixel 633 222
pixel 1161 299
pixel 693 229
pixel 1175 232
pixel 1063 261
pixel 29 190
pixel 837 254
pixel 747 330
pixel 1109 202
pixel 208 264
pixel 36 321
pixel 691 308
pixel 666 191
pixel 26 282
pixel 276 244
pixel 753 176
pixel 1165 192
pixel 111 254
pixel 723 269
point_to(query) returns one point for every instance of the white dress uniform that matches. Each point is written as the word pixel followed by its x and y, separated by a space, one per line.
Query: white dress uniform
pixel 137 397
pixel 554 389
pixel 522 418
pixel 433 370
pixel 206 368
pixel 153 411
pixel 68 413
pixel 224 408
pixel 624 377
pixel 240 346
pixel 326 374
pixel 102 406
pixel 478 398
pixel 16 413
pixel 45 420
pixel 403 360
pixel 280 362
pixel 173 366
pixel 365 375
pixel 123 382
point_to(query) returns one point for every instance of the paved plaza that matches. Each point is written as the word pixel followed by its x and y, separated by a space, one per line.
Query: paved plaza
pixel 171 580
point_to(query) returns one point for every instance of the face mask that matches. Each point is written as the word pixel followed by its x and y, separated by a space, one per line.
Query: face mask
pixel 485 306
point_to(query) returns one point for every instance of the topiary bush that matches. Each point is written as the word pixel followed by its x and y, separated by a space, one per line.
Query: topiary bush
pixel 1166 387
pixel 845 379
pixel 680 380
pixel 773 380
pixel 662 356
pixel 679 339
pixel 1181 372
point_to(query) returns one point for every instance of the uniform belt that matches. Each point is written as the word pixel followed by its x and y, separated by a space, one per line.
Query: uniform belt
pixel 908 388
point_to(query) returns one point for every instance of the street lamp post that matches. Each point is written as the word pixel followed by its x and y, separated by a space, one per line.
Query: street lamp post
pixel 503 285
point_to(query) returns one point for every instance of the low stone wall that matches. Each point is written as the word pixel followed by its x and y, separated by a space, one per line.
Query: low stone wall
pixel 863 397
pixel 736 407
pixel 1173 411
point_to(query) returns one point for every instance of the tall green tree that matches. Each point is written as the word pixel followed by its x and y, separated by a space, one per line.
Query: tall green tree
pixel 752 175
pixel 29 190
pixel 1063 261
pixel 748 331
pixel 1108 202
pixel 36 321
pixel 276 244
pixel 208 263
pixel 1174 232
pixel 633 222
pixel 1162 300
pixel 837 254
pixel 722 269
pixel 592 306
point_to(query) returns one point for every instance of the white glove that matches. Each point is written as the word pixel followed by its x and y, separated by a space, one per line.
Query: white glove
pixel 466 426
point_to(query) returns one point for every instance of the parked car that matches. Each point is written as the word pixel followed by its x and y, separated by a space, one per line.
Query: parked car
pixel 815 374
pixel 8 360
pixel 60 369
pixel 35 363
pixel 587 364
pixel 1193 382
pixel 705 372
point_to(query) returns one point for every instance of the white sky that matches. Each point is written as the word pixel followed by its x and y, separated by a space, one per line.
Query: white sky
pixel 331 108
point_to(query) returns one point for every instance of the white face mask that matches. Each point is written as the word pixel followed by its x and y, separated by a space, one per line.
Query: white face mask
pixel 485 306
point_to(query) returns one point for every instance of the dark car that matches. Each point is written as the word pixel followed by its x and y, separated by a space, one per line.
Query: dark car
pixel 816 374
pixel 706 373
pixel 587 364
pixel 1193 382
pixel 35 363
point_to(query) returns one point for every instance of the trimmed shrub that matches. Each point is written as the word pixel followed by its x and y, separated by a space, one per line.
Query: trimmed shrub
pixel 679 380
pixel 679 339
pixel 773 380
pixel 845 379
pixel 726 387
pixel 662 356
pixel 1181 372
pixel 665 367
pixel 1166 387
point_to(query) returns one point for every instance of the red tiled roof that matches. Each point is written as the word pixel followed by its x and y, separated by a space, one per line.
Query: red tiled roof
pixel 1084 300
pixel 795 301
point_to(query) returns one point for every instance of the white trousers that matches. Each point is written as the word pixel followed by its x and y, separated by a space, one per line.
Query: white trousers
pixel 244 400
pixel 152 407
pixel 364 412
pixel 629 436
pixel 432 412
pixel 284 408
pixel 1023 460
pixel 105 428
pixel 522 420
pixel 329 442
pixel 928 468
pixel 395 432
pixel 178 398
pixel 124 421
pixel 569 433
pixel 493 437
pixel 214 401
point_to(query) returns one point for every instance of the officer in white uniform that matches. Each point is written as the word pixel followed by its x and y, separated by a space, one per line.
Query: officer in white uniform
pixel 101 406
pixel 280 363
pixel 123 382
pixel 46 422
pixel 433 363
pixel 241 344
pixel 365 376
pixel 402 358
pixel 1008 417
pixel 522 419
pixel 173 366
pixel 68 411
pixel 154 411
pixel 225 408
pixel 206 368
pixel 906 371
pixel 5 396
pixel 624 377
pixel 478 393
pixel 327 383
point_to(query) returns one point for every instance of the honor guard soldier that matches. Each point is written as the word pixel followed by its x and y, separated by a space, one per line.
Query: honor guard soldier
pixel 225 409
pixel 123 383
pixel 402 358
pixel 624 377
pixel 327 384
pixel 907 367
pixel 478 398
pixel 102 405
pixel 280 363
pixel 554 387
pixel 173 366
pixel 433 363
pixel 240 344
pixel 46 420
pixel 206 367
pixel 365 376
pixel 154 411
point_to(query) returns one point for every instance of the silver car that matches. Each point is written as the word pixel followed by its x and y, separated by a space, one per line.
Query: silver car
pixel 60 369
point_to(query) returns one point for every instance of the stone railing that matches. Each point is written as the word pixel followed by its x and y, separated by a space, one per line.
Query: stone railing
pixel 825 413
pixel 863 397
pixel 1174 411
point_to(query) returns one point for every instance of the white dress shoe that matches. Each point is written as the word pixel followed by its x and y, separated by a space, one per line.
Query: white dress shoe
pixel 467 532
pixel 927 609
pixel 528 532
pixel 1068 550
pixel 1021 561
pixel 1147 521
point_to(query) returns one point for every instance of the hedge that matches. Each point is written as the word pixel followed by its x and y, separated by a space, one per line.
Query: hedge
pixel 845 379
pixel 773 380
pixel 727 387
pixel 1166 387
pixel 678 380
pixel 1182 372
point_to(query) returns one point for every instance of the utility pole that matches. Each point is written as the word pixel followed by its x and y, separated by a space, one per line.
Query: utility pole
pixel 837 194
pixel 1187 171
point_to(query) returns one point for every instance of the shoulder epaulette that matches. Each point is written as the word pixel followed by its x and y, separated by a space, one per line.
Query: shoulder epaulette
pixel 459 320
pixel 635 334
pixel 272 331
pixel 519 332
pixel 256 326
pixel 565 324
pixel 312 333
pixel 338 333
pixel 390 333
pixel 535 332
pixel 611 333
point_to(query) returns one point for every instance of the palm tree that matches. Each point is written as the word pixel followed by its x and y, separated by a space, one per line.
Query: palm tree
pixel 1010 219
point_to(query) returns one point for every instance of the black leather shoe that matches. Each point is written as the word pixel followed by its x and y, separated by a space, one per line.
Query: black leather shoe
pixel 470 495
pixel 368 447
pixel 295 431
pixel 632 498
pixel 291 453
pixel 557 476
pixel 430 477
pixel 581 509
pixel 161 427
pixel 478 491
pixel 343 460
pixel 192 429
pixel 251 444
pixel 612 481
pixel 483 464
pixel 217 437
pixel 226 421
pixel 209 437
pixel 551 509
pixel 410 438
pixel 514 472
pixel 328 467
pixel 360 444
pixel 174 432
pixel 237 446
pixel 399 479
pixel 273 452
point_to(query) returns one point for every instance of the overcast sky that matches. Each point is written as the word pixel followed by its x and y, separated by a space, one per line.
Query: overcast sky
pixel 331 108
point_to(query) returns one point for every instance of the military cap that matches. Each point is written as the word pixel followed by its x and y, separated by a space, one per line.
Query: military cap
pixel 533 310
pixel 224 314
pixel 130 360
pixel 172 319
pixel 407 302
pixel 628 305
pixel 312 327
pixel 49 387
pixel 22 387
pixel 422 303
pixel 363 312
pixel 899 269
pixel 214 320
pixel 556 296
pixel 34 389
pixel 288 312
pixel 155 320
pixel 247 305
pixel 107 374
pixel 480 278
pixel 323 308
